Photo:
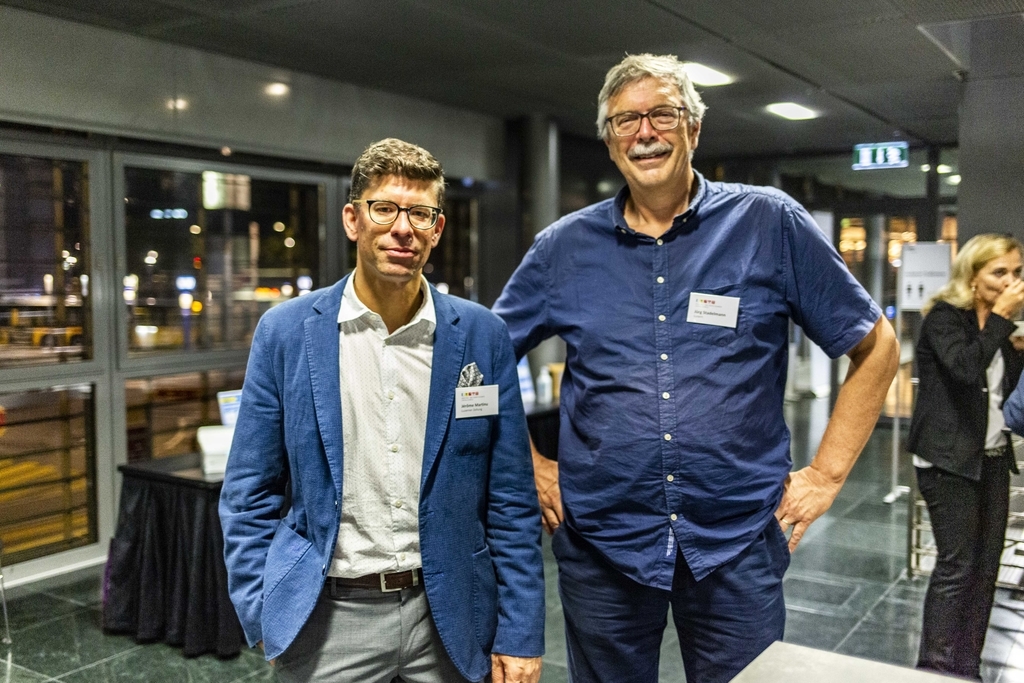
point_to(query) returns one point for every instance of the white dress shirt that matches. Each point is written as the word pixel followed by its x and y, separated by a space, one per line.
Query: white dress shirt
pixel 385 391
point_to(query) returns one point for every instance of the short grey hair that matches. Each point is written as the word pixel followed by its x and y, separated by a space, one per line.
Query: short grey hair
pixel 635 68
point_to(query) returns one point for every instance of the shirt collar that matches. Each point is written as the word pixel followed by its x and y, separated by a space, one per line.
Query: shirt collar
pixel 353 309
pixel 618 208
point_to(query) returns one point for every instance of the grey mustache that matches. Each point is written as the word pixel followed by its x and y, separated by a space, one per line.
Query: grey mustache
pixel 644 149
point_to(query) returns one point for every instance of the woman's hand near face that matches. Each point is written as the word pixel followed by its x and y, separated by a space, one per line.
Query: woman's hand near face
pixel 1010 301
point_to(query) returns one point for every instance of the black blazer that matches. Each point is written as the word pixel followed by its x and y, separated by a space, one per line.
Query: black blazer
pixel 951 416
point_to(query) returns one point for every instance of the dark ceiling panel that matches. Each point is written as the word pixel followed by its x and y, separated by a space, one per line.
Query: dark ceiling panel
pixel 790 16
pixel 122 15
pixel 863 63
pixel 931 11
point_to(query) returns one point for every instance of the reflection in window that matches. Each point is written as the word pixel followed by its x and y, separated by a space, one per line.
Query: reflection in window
pixel 208 253
pixel 164 412
pixel 47 472
pixel 44 281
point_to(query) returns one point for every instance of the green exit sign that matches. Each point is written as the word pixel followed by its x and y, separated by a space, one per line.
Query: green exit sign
pixel 881 155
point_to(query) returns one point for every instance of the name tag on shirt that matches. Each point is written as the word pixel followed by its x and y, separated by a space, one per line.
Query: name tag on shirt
pixel 476 401
pixel 713 309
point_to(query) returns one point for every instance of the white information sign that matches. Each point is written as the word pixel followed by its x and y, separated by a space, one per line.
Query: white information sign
pixel 924 270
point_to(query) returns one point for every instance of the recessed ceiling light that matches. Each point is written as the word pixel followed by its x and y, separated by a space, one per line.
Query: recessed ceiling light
pixel 277 89
pixel 944 168
pixel 705 75
pixel 925 168
pixel 953 179
pixel 792 111
pixel 177 104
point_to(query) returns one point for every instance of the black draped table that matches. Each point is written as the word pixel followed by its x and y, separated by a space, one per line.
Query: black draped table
pixel 165 577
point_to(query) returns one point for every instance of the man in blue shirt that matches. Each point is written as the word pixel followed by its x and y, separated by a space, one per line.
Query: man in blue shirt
pixel 674 300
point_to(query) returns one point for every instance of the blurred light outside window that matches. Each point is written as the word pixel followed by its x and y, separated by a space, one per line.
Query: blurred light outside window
pixel 225 248
pixel 47 472
pixel 164 412
pixel 44 281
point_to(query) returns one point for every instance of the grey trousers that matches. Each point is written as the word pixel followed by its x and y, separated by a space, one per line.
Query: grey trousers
pixel 365 636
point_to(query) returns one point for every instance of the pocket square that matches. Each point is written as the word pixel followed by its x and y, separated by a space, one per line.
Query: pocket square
pixel 471 376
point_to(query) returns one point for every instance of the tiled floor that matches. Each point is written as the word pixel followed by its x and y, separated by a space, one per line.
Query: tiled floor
pixel 846 591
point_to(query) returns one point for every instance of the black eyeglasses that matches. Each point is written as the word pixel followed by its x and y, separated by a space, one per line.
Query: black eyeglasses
pixel 384 212
pixel 628 122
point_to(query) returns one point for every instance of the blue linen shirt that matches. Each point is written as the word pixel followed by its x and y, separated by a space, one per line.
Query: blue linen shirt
pixel 674 430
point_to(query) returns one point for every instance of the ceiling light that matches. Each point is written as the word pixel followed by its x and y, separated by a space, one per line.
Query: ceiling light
pixel 944 168
pixel 705 75
pixel 177 104
pixel 925 168
pixel 792 111
pixel 277 89
pixel 953 179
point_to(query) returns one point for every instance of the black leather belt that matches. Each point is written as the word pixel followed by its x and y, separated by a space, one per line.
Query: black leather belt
pixel 385 583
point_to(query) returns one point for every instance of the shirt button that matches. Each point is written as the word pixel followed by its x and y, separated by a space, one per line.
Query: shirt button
pixel 661 318
pixel 670 477
pixel 401 557
pixel 660 242
pixel 664 395
pixel 391 394
pixel 398 503
pixel 394 448
pixel 673 517
pixel 661 280
pixel 668 437
pixel 664 356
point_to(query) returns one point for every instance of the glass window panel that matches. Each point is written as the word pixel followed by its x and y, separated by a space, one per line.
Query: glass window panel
pixel 207 253
pixel 164 412
pixel 47 472
pixel 44 281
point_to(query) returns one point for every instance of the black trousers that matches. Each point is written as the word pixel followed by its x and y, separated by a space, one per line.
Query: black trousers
pixel 969 524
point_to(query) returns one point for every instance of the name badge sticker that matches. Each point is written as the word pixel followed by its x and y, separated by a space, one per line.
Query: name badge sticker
pixel 478 401
pixel 713 309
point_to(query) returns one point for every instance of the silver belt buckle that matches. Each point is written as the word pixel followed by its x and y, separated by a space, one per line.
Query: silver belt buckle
pixel 384 585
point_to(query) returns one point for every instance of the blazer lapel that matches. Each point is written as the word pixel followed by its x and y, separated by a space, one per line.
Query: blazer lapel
pixel 321 337
pixel 449 349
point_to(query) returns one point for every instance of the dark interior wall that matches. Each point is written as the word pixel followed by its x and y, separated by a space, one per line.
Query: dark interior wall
pixel 992 132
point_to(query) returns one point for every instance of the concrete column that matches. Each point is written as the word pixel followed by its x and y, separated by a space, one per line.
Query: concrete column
pixel 541 183
pixel 991 194
pixel 877 256
pixel 542 172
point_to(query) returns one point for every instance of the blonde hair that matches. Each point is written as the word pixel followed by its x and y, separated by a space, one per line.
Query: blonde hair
pixel 972 257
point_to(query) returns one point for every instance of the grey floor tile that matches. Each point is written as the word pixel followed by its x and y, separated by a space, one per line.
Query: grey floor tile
pixel 86 592
pixel 33 609
pixel 553 673
pixel 882 643
pixel 19 675
pixel 898 612
pixel 819 631
pixel 858 534
pixel 67 643
pixel 159 662
pixel 826 558
pixel 849 597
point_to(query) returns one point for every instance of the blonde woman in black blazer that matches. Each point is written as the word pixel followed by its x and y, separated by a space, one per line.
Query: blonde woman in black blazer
pixel 968 362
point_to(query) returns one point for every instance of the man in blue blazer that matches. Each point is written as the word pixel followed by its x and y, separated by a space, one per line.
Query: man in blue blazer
pixel 379 513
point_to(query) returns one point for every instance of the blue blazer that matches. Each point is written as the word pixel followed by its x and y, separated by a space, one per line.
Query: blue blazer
pixel 479 521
